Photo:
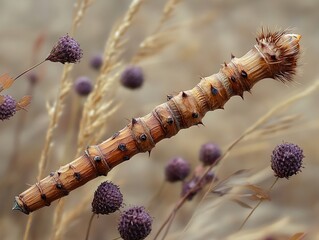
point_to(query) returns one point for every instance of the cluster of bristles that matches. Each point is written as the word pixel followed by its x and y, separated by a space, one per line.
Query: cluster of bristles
pixel 178 169
pixel 281 52
pixel 135 223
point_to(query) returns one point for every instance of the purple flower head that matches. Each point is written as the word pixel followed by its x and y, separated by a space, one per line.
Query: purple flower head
pixel 135 224
pixel 209 153
pixel 107 199
pixel 7 107
pixel 177 169
pixel 286 160
pixel 96 61
pixel 66 50
pixel 132 77
pixel 83 86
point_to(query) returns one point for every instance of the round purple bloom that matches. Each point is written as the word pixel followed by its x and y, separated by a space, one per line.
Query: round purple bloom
pixel 286 160
pixel 96 61
pixel 83 86
pixel 132 77
pixel 209 153
pixel 7 107
pixel 177 169
pixel 107 198
pixel 135 224
pixel 66 50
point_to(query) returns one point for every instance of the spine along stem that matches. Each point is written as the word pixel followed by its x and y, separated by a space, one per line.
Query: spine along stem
pixel 274 56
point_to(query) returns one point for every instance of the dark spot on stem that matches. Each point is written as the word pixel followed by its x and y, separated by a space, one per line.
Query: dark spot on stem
pixel 122 147
pixel 195 115
pixel 143 137
pixel 233 79
pixel 58 186
pixel 125 158
pixel 214 91
pixel 43 196
pixel 134 121
pixel 170 120
pixel 77 176
pixel 244 74
pixel 97 158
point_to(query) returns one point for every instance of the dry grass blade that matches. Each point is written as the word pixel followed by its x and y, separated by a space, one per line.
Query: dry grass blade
pixel 23 102
pixel 298 236
pixel 5 82
pixel 277 127
pixel 167 12
pixel 94 108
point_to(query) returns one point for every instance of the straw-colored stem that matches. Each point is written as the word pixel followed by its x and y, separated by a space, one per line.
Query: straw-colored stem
pixel 254 209
pixel 29 69
pixel 89 227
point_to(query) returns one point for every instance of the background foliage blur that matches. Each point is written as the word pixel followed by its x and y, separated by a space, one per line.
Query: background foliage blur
pixel 206 33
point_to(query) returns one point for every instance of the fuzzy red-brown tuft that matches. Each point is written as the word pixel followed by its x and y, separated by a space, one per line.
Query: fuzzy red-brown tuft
pixel 281 51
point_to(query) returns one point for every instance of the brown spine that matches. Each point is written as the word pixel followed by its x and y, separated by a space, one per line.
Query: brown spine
pixel 274 56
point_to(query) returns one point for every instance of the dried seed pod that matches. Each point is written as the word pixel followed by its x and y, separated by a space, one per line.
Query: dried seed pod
pixel 286 160
pixel 274 56
pixel 135 224
pixel 209 153
pixel 66 50
pixel 132 77
pixel 83 86
pixel 177 169
pixel 7 107
pixel 107 198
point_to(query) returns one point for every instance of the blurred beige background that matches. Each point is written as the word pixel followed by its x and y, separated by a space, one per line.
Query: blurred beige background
pixel 197 50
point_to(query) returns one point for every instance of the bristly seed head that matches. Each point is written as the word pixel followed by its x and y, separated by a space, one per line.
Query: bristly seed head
pixel 281 51
pixel 83 86
pixel 209 153
pixel 107 198
pixel 177 169
pixel 286 160
pixel 132 77
pixel 66 50
pixel 96 61
pixel 135 224
pixel 7 107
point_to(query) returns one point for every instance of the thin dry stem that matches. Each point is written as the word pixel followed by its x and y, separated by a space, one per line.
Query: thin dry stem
pixel 254 209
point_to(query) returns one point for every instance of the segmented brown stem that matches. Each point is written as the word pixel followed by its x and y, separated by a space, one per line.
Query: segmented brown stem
pixel 274 56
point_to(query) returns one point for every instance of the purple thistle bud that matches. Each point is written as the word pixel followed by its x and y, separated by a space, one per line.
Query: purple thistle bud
pixel 177 169
pixel 107 198
pixel 66 50
pixel 7 107
pixel 286 160
pixel 132 77
pixel 209 153
pixel 135 224
pixel 83 86
pixel 96 61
